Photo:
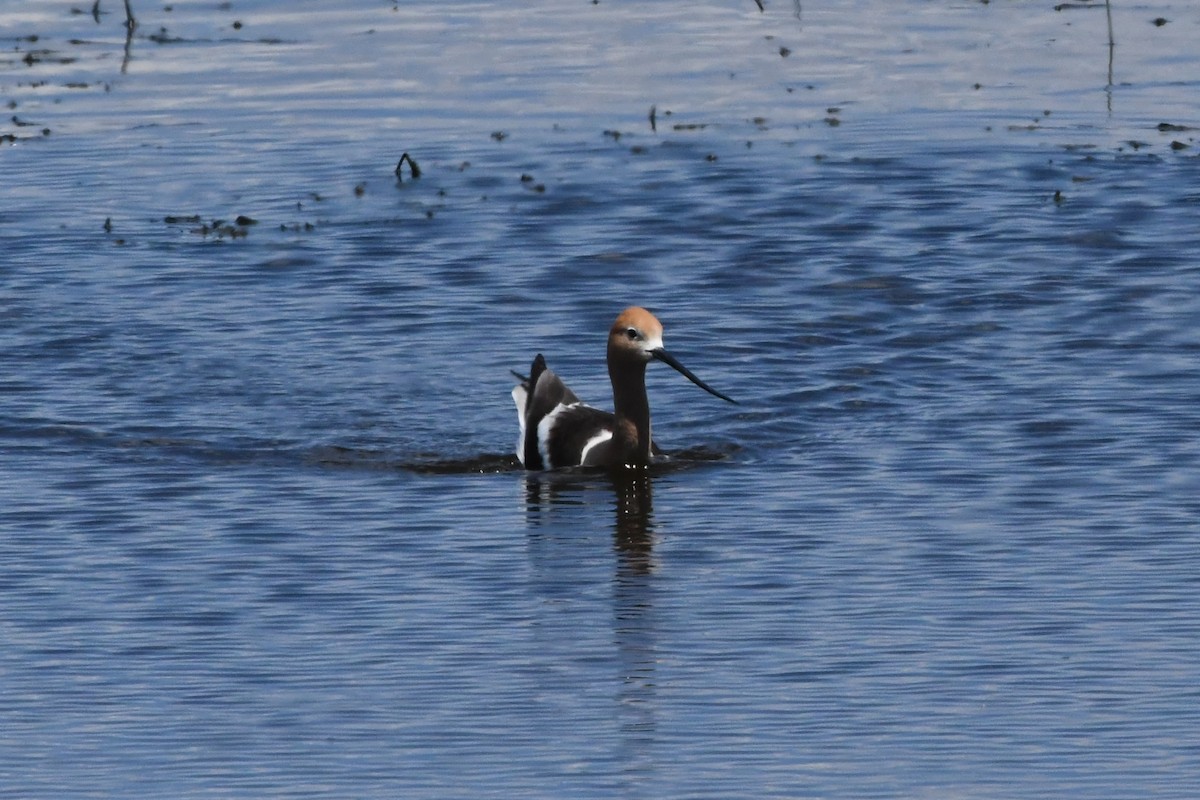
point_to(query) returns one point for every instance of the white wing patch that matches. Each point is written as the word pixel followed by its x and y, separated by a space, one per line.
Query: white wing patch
pixel 599 438
pixel 520 397
pixel 543 433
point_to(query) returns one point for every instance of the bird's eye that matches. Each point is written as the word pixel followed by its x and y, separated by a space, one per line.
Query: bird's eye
pixel 631 333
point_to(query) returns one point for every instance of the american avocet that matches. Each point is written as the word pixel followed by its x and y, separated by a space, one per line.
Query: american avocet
pixel 559 430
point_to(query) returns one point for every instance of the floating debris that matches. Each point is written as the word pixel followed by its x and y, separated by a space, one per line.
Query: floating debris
pixel 528 180
pixel 218 227
pixel 46 56
pixel 654 118
pixel 164 37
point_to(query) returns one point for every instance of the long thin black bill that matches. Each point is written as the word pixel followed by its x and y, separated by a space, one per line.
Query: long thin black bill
pixel 667 358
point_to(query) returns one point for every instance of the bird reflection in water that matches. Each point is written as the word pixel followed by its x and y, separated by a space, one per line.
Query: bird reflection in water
pixel 551 499
pixel 633 508
pixel 633 531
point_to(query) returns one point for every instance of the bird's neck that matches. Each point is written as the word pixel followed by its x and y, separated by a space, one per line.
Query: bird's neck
pixel 632 409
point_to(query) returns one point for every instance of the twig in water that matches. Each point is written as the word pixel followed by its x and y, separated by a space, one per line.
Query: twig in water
pixel 412 166
pixel 1112 44
pixel 130 26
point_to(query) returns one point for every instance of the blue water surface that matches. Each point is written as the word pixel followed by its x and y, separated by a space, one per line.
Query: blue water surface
pixel 261 530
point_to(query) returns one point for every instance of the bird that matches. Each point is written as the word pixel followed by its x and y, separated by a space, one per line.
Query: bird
pixel 559 430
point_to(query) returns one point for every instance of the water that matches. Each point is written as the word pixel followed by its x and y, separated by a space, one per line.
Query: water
pixel 261 531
